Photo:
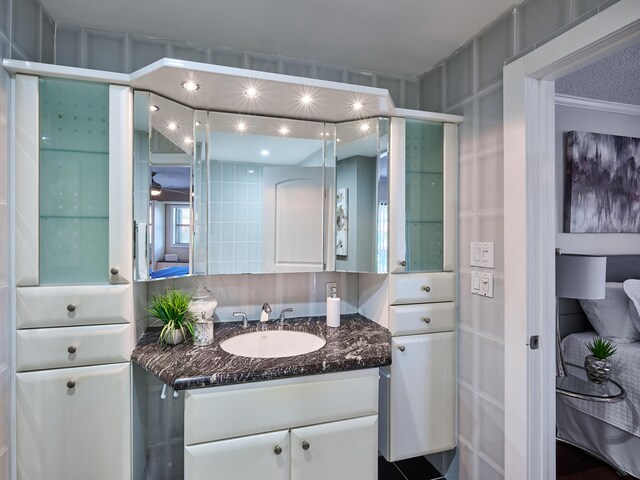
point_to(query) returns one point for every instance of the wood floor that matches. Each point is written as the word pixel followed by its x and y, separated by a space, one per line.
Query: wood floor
pixel 574 464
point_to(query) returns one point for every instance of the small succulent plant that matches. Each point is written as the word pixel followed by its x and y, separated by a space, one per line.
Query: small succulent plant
pixel 601 348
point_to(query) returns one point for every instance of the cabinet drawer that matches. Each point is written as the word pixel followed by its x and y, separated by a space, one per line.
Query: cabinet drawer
pixel 41 349
pixel 278 404
pixel 421 288
pixel 422 318
pixel 41 307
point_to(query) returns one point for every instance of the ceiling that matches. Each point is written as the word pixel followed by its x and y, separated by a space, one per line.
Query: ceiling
pixel 615 78
pixel 400 36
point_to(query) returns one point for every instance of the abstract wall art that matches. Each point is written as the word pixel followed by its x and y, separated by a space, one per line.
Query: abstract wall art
pixel 602 183
pixel 342 222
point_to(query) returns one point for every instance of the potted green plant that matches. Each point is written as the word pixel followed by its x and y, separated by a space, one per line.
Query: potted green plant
pixel 598 365
pixel 172 308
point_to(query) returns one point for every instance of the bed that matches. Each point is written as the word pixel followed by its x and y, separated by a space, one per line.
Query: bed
pixel 610 431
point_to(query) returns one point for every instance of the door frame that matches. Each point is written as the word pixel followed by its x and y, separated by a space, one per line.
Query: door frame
pixel 530 229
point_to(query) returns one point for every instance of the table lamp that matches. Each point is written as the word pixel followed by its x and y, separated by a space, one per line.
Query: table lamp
pixel 580 277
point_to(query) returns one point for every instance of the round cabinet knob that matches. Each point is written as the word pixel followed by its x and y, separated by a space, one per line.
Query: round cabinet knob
pixel 71 384
pixel 305 445
pixel 401 348
pixel 277 450
pixel 426 319
pixel 425 288
pixel 71 307
pixel 71 349
pixel 114 271
pixel 402 263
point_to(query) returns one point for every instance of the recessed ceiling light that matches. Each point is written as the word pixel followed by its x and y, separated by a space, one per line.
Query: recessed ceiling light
pixel 250 171
pixel 190 85
pixel 251 92
pixel 241 126
pixel 188 140
pixel 357 105
pixel 306 99
pixel 283 130
pixel 365 126
pixel 154 108
pixel 198 123
pixel 172 126
pixel 338 140
pixel 264 153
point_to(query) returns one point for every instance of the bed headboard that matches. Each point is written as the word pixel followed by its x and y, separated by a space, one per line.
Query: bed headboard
pixel 619 269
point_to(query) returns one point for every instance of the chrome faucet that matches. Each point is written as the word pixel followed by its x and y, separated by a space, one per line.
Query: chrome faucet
pixel 245 323
pixel 282 312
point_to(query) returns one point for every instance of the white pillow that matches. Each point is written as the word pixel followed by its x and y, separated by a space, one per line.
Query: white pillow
pixel 610 317
pixel 632 289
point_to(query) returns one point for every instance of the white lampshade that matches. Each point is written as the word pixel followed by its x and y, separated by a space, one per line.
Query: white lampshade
pixel 580 276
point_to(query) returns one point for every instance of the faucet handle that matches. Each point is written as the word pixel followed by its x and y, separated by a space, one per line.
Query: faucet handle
pixel 266 307
pixel 283 311
pixel 244 318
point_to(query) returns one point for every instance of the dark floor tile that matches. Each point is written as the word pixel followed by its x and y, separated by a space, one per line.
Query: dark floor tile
pixel 388 471
pixel 573 463
pixel 418 469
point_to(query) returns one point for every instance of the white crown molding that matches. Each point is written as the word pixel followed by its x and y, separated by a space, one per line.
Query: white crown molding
pixel 600 105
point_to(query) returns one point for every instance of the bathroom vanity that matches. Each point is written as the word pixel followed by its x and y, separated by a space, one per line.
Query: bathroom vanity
pixel 312 416
pixel 89 142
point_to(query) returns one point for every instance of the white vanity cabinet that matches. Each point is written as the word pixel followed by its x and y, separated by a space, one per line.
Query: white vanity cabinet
pixel 302 428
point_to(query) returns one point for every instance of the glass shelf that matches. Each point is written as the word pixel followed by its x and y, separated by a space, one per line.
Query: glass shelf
pixel 577 385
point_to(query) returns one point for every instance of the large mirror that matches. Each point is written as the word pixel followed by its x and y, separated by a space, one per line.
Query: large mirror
pixel 362 192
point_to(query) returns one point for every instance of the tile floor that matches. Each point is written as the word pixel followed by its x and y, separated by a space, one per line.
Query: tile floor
pixel 411 469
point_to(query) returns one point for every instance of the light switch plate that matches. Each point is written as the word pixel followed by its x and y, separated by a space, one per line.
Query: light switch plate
pixel 482 254
pixel 482 284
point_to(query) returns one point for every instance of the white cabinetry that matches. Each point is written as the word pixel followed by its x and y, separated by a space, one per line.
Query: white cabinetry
pixel 74 301
pixel 304 428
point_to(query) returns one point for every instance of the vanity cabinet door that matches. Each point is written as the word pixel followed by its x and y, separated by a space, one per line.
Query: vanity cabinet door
pixel 343 450
pixel 422 404
pixel 73 182
pixel 264 457
pixel 74 423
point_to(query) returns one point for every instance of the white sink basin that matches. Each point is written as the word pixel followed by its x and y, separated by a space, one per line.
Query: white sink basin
pixel 273 344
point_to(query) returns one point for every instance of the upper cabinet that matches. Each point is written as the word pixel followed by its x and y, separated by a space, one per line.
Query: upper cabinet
pixel 73 176
pixel 423 196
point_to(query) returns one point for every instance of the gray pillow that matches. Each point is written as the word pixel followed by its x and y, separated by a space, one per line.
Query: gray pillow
pixel 632 289
pixel 610 317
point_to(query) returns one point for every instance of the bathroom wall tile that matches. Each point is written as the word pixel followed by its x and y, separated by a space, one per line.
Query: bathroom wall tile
pixel 68 45
pixel 4 464
pixel 466 131
pixel 5 18
pixel 490 365
pixel 466 356
pixel 4 157
pixel 144 51
pixel 486 471
pixel 466 414
pixel 465 225
pixel 490 228
pixel 25 28
pixel 298 68
pixel 490 433
pixel 430 92
pixel 469 308
pixel 5 326
pixel 331 73
pixel 580 7
pixel 538 18
pixel 264 63
pixel 105 51
pixel 189 52
pixel 4 245
pixel 607 4
pixel 410 94
pixel 394 85
pixel 17 54
pixel 5 48
pixel 489 171
pixel 227 57
pixel 493 47
pixel 47 38
pixel 459 74
pixel 5 407
pixel 489 133
pixel 489 316
pixel 468 186
pixel 466 462
pixel 360 78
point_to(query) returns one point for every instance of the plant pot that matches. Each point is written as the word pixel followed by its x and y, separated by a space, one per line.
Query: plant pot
pixel 598 371
pixel 173 337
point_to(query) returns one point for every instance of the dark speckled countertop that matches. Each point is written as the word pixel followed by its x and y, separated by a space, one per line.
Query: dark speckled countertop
pixel 357 343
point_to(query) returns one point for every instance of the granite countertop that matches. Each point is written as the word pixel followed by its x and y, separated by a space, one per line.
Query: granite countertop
pixel 358 343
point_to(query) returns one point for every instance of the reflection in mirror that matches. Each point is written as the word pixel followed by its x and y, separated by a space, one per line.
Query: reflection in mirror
pixel 163 159
pixel 362 169
pixel 266 194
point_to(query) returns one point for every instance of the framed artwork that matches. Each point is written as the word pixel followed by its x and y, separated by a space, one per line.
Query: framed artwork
pixel 342 222
pixel 602 183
